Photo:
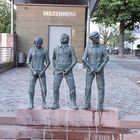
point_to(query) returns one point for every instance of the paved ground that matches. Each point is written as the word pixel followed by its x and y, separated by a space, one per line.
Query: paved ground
pixel 128 62
pixel 121 90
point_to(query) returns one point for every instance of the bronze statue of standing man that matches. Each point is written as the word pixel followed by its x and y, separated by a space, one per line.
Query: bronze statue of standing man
pixel 38 61
pixel 64 60
pixel 95 58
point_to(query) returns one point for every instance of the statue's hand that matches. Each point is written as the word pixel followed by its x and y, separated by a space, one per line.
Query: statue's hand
pixel 66 71
pixel 93 69
pixel 41 73
pixel 99 69
pixel 34 72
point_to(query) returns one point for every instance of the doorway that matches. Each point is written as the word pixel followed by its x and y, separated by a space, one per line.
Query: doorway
pixel 55 33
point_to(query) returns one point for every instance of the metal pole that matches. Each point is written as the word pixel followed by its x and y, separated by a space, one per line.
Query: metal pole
pixel 88 22
pixel 12 16
pixel 12 31
pixel 132 47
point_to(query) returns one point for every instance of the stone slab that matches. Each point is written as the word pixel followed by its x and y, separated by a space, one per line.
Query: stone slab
pixel 131 137
pixel 130 123
pixel 8 131
pixel 67 117
pixel 59 117
pixel 108 118
pixel 62 133
pixel 7 118
pixel 40 132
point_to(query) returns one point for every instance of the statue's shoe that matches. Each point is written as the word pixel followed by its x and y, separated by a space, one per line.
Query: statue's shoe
pixel 86 107
pixel 55 107
pixel 45 107
pixel 30 106
pixel 100 109
pixel 74 106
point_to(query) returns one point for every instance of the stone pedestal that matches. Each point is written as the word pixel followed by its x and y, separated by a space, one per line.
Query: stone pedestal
pixel 67 124
pixel 63 124
pixel 67 117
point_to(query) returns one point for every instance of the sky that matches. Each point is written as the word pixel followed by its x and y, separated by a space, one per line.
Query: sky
pixel 93 27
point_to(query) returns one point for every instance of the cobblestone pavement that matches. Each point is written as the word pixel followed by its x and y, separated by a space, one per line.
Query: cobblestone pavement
pixel 120 91
pixel 129 61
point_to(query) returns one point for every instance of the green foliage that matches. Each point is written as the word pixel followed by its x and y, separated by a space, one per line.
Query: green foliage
pixel 114 37
pixel 5 16
pixel 129 37
pixel 116 11
pixel 124 12
pixel 109 34
pixel 138 46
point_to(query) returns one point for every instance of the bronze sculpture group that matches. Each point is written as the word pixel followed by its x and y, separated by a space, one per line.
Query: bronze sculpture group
pixel 64 59
pixel 38 61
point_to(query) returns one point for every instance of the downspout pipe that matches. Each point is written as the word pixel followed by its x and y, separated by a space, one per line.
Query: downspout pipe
pixel 88 22
pixel 12 16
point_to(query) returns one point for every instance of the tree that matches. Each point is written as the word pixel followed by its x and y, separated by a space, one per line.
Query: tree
pixel 124 12
pixel 5 17
pixel 114 38
pixel 114 41
pixel 129 37
pixel 107 33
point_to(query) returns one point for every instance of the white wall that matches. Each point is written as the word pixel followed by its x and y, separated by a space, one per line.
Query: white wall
pixel 136 42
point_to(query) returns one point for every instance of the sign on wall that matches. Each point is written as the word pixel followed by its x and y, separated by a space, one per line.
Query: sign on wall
pixel 59 13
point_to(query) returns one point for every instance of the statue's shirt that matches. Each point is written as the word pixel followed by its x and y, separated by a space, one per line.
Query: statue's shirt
pixel 63 56
pixel 95 55
pixel 38 58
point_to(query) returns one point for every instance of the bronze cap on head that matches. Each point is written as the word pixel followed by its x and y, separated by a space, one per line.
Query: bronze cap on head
pixel 94 34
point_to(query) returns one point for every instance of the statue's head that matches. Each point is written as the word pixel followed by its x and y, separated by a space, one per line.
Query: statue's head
pixel 38 41
pixel 64 39
pixel 94 37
